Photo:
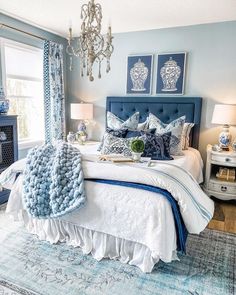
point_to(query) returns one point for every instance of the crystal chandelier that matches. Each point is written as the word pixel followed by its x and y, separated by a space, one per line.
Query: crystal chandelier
pixel 92 47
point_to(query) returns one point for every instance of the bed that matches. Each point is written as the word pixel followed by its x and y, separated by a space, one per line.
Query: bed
pixel 123 218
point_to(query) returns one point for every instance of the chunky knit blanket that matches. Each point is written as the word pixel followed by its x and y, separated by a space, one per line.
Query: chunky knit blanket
pixel 53 181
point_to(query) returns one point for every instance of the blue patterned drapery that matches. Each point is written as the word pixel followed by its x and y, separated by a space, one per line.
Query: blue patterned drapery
pixel 54 98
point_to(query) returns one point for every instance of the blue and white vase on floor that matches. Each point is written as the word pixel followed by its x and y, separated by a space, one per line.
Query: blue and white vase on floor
pixel 4 103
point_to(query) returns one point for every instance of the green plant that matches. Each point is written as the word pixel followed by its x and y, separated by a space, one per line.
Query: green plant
pixel 137 146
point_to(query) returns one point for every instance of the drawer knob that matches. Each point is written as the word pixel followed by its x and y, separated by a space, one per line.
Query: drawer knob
pixel 224 188
pixel 227 159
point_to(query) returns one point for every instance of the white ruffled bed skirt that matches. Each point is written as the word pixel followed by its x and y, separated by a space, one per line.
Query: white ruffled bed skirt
pixel 100 245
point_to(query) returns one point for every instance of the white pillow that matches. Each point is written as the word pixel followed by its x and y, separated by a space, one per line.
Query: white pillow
pixel 116 123
pixel 185 135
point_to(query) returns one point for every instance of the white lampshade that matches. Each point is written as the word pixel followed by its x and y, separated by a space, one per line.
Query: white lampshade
pixel 81 111
pixel 224 114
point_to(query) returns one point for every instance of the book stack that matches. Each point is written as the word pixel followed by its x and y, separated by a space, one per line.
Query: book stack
pixel 226 174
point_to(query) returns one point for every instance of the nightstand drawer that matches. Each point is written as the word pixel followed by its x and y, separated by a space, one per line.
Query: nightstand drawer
pixel 223 159
pixel 223 188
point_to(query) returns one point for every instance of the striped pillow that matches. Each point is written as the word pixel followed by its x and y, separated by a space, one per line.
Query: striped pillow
pixel 185 135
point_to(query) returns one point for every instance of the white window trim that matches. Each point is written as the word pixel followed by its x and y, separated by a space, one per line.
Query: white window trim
pixel 27 144
pixel 22 144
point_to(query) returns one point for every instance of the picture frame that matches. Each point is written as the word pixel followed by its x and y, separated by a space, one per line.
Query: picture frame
pixel 170 79
pixel 139 74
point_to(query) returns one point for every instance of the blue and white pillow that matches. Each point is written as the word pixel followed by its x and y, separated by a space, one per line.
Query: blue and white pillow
pixel 117 133
pixel 157 146
pixel 136 133
pixel 176 129
pixel 116 145
pixel 115 123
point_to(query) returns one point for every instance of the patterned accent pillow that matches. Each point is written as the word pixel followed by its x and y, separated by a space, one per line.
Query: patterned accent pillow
pixel 136 133
pixel 143 126
pixel 116 145
pixel 115 123
pixel 157 146
pixel 185 135
pixel 117 133
pixel 175 127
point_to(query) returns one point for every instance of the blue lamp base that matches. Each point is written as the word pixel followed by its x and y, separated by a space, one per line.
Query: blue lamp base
pixel 225 138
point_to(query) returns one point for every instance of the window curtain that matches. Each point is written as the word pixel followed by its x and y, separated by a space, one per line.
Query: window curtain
pixel 54 97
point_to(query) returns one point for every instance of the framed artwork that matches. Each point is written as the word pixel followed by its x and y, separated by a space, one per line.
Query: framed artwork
pixel 170 73
pixel 139 74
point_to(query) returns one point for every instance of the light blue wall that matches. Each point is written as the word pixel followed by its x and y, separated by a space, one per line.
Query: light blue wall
pixel 210 71
pixel 19 37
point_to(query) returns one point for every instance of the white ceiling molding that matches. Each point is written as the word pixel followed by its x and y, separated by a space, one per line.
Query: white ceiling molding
pixel 123 15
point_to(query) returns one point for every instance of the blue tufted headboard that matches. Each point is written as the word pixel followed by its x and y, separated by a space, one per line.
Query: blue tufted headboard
pixel 165 108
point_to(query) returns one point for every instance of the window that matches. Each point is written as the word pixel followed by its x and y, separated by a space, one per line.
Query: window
pixel 22 68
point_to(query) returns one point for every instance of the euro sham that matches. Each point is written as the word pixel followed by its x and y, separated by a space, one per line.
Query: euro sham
pixel 176 129
pixel 116 123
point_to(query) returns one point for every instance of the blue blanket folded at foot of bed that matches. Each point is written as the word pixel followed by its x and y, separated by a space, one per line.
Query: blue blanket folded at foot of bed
pixel 181 230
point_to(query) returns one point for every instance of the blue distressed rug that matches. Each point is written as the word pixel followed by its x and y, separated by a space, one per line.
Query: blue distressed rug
pixel 29 266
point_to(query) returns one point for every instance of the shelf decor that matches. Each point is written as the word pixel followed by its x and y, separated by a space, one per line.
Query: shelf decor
pixel 4 103
pixel 171 73
pixel 139 74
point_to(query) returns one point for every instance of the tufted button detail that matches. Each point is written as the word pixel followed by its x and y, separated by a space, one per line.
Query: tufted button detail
pixel 147 110
pixel 121 110
pixel 176 111
pixel 134 110
pixel 161 111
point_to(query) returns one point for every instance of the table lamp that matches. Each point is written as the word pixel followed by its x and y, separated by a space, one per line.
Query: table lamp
pixel 224 114
pixel 82 112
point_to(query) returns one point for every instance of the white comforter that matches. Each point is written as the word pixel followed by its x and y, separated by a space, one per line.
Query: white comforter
pixel 130 214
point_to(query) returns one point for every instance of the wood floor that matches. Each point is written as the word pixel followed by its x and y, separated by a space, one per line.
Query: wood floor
pixel 224 217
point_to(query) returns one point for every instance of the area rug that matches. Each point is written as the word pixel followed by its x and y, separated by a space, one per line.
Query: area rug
pixel 32 267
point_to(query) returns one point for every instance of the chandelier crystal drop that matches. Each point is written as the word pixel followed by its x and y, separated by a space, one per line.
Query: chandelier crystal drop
pixel 92 46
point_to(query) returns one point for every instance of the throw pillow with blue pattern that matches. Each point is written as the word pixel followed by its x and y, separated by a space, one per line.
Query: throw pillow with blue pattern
pixel 115 123
pixel 136 133
pixel 157 146
pixel 175 127
pixel 117 133
pixel 116 145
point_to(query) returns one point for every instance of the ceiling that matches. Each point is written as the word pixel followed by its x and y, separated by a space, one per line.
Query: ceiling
pixel 123 15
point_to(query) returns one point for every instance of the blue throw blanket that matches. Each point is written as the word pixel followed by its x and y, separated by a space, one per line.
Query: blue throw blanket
pixel 53 181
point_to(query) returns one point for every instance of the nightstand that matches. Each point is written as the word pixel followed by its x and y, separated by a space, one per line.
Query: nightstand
pixel 213 186
pixel 89 147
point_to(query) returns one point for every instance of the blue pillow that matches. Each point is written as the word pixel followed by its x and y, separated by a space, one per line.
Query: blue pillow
pixel 136 133
pixel 157 146
pixel 118 132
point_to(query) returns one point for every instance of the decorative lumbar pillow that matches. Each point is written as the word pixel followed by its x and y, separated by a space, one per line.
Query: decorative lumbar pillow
pixel 185 135
pixel 175 127
pixel 157 146
pixel 116 145
pixel 115 123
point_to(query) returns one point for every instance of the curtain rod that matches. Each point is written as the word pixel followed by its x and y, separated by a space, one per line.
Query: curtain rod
pixel 21 31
